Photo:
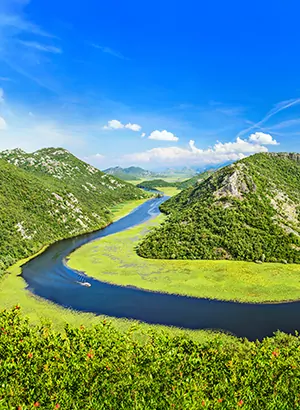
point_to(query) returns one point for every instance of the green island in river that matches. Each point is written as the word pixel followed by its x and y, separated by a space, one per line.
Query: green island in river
pixel 114 259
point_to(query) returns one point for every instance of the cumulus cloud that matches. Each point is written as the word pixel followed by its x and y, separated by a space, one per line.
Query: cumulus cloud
pixel 162 136
pixel 143 135
pixel 115 125
pixel 220 152
pixel 262 138
pixel 3 124
pixel 133 127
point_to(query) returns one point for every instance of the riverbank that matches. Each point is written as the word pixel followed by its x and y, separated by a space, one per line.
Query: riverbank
pixel 113 259
pixel 13 292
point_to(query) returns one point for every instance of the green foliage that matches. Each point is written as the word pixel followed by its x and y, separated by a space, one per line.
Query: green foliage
pixel 157 183
pixel 246 211
pixel 101 368
pixel 160 183
pixel 50 195
pixel 195 180
pixel 130 173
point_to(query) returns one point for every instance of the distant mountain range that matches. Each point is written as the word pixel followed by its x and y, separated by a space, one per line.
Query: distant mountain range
pixel 181 173
pixel 160 183
pixel 49 195
pixel 245 211
pixel 136 173
pixel 130 173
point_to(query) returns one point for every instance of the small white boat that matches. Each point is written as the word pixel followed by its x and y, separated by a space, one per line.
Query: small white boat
pixel 86 284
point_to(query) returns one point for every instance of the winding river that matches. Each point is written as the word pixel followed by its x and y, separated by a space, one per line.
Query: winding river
pixel 48 276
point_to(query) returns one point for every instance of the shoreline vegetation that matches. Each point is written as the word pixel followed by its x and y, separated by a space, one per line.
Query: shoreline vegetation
pixel 125 361
pixel 13 292
pixel 113 259
pixel 99 367
pixel 13 287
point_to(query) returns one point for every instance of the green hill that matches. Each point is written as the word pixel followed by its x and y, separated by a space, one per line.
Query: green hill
pixel 246 211
pixel 157 183
pixel 195 180
pixel 130 173
pixel 50 195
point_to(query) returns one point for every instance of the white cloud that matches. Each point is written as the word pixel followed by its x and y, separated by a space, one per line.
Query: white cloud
pixel 133 127
pixel 3 124
pixel 116 125
pixel 41 47
pixel 113 125
pixel 220 152
pixel 162 136
pixel 283 105
pixel 6 79
pixel 143 135
pixel 262 139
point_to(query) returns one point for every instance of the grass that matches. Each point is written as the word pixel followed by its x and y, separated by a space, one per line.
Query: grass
pixel 176 178
pixel 122 209
pixel 169 191
pixel 13 292
pixel 113 259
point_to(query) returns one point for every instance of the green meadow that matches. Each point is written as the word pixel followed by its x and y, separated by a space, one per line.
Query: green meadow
pixel 13 292
pixel 113 259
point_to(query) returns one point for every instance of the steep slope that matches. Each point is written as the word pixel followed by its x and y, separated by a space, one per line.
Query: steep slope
pixel 195 180
pixel 49 195
pixel 246 211
pixel 130 173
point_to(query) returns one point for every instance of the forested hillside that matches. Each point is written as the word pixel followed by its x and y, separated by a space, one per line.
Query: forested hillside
pixel 159 183
pixel 195 180
pixel 49 195
pixel 130 173
pixel 246 211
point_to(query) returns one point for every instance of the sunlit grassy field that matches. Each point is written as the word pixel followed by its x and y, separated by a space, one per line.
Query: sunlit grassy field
pixel 13 292
pixel 113 259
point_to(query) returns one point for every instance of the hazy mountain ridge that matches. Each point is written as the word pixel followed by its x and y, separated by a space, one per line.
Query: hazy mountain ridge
pixel 130 173
pixel 159 183
pixel 246 211
pixel 49 195
pixel 135 173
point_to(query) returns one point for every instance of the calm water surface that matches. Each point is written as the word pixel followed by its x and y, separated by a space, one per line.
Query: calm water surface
pixel 48 277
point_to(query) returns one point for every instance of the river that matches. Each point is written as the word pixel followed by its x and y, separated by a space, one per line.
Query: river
pixel 48 276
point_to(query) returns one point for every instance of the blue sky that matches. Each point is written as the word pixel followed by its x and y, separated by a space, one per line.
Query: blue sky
pixel 155 83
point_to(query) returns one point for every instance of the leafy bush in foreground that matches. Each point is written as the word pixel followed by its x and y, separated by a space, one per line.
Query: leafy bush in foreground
pixel 101 368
